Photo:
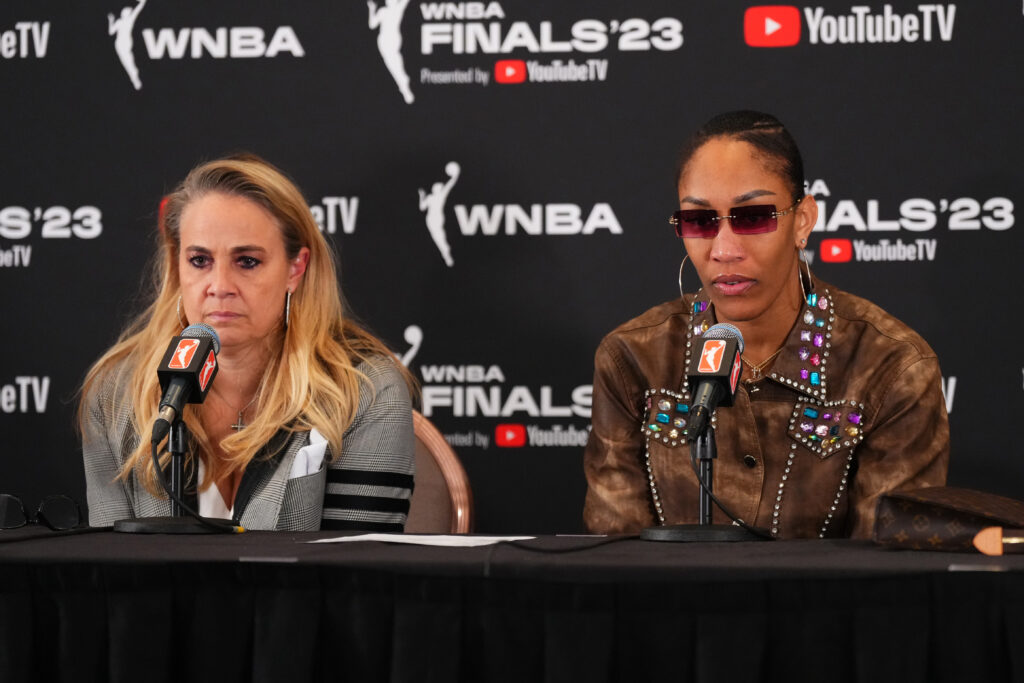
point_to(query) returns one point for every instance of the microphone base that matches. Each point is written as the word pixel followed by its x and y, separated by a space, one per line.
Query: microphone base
pixel 699 533
pixel 166 525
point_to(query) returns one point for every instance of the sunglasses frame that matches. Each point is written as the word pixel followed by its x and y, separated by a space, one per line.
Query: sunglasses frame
pixel 40 516
pixel 774 214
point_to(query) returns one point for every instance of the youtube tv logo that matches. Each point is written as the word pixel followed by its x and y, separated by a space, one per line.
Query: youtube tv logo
pixel 509 71
pixel 510 436
pixel 836 250
pixel 771 26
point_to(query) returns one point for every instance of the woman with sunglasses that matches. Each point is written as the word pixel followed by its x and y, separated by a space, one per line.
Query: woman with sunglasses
pixel 839 402
pixel 307 423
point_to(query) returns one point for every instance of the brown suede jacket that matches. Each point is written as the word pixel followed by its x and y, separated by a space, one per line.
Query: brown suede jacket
pixel 852 408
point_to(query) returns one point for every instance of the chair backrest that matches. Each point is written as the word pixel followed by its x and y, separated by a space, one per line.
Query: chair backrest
pixel 442 501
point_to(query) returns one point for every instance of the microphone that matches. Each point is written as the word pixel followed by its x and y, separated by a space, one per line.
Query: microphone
pixel 713 375
pixel 185 373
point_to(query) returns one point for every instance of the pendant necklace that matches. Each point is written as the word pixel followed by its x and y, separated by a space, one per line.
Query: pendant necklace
pixel 757 371
pixel 240 424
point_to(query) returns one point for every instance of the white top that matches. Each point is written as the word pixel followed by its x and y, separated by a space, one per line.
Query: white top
pixel 211 503
pixel 308 460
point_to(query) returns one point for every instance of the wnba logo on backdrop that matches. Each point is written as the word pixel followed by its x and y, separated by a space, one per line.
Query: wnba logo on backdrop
pixel 508 219
pixel 124 44
pixel 432 205
pixel 236 42
pixel 388 20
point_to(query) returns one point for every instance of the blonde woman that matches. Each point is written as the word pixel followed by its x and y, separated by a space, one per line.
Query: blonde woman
pixel 308 424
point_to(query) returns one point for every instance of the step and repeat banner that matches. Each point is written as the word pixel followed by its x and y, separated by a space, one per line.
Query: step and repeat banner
pixel 496 178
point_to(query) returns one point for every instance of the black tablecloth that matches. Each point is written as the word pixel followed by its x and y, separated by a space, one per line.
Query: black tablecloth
pixel 270 607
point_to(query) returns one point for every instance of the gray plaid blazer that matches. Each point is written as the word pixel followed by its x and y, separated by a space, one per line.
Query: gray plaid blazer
pixel 367 488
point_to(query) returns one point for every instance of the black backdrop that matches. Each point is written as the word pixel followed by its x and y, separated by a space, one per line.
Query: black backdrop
pixel 911 140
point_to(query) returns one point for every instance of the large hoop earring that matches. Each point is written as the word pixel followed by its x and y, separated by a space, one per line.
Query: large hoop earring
pixel 180 321
pixel 683 263
pixel 800 275
pixel 287 307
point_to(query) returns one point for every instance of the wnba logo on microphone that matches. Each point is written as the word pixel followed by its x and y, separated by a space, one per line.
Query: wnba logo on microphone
pixel 711 356
pixel 181 359
pixel 207 372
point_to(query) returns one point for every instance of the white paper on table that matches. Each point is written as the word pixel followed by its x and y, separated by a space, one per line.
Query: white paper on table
pixel 453 541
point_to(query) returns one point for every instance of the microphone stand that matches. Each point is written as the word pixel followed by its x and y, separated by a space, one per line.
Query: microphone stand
pixel 176 447
pixel 178 522
pixel 705 451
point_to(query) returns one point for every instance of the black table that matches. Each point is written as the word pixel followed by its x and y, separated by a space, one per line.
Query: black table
pixel 269 607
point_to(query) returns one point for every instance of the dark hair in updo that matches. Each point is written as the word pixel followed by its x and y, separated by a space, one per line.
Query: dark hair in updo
pixel 774 144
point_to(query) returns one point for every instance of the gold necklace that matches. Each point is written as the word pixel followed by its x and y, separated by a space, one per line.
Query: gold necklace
pixel 756 371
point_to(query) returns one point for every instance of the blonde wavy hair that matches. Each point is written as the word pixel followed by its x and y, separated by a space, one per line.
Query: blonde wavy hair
pixel 311 379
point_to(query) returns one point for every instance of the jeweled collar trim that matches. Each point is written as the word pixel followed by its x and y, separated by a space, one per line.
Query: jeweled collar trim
pixel 803 363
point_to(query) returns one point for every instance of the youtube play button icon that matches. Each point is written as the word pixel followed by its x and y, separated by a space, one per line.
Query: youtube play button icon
pixel 509 71
pixel 510 436
pixel 836 250
pixel 771 26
